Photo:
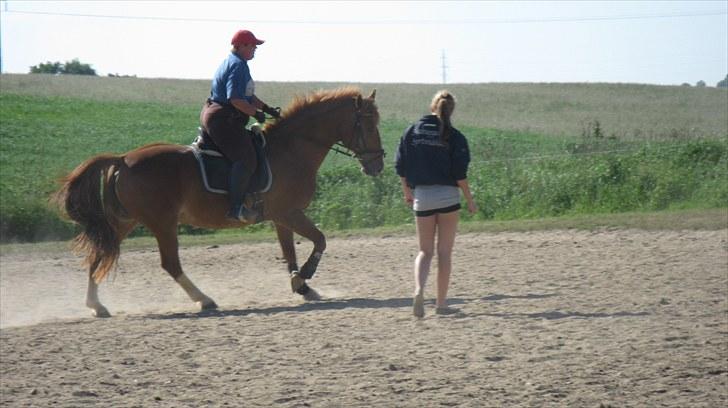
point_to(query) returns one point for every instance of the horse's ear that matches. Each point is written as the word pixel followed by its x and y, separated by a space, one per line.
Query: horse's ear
pixel 358 102
pixel 374 93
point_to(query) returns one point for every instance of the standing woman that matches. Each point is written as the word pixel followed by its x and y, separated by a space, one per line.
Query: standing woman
pixel 432 163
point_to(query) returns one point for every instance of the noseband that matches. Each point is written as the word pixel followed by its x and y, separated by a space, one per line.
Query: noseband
pixel 359 151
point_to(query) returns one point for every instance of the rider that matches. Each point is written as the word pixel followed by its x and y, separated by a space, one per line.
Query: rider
pixel 224 116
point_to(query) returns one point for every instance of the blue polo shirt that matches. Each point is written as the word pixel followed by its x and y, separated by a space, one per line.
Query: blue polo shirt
pixel 232 80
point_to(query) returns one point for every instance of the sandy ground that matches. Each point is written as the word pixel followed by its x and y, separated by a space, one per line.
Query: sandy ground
pixel 619 318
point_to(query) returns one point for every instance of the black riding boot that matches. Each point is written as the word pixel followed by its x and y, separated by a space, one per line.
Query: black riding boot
pixel 239 179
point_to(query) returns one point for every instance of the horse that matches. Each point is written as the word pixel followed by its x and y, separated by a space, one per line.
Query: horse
pixel 160 187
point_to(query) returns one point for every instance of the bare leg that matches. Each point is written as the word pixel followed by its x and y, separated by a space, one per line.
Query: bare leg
pixel 447 225
pixel 426 238
pixel 426 227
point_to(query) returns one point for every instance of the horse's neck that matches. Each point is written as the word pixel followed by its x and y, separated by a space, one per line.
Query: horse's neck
pixel 308 144
pixel 305 147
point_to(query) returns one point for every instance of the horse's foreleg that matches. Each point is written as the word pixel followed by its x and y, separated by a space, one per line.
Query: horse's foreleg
pixel 300 224
pixel 297 222
pixel 169 252
pixel 92 293
pixel 298 284
pixel 285 238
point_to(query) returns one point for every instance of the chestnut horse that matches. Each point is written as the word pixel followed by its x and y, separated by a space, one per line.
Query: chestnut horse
pixel 160 186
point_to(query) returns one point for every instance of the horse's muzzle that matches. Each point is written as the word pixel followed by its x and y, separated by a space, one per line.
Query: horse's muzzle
pixel 373 167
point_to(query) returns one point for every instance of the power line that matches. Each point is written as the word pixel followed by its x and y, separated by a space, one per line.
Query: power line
pixel 382 21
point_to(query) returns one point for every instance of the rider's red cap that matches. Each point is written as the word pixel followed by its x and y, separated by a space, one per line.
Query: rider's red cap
pixel 245 37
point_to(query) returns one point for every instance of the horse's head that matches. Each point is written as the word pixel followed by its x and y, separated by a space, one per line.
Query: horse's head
pixel 339 117
pixel 364 138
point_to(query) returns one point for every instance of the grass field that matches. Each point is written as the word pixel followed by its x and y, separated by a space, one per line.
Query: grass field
pixel 627 111
pixel 539 150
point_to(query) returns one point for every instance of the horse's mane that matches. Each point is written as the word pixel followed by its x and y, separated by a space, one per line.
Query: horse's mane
pixel 305 106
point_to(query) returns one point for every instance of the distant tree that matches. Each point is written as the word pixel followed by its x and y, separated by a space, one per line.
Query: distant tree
pixel 47 68
pixel 723 83
pixel 686 84
pixel 73 67
pixel 700 84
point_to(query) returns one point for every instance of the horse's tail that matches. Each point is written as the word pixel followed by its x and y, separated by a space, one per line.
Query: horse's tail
pixel 88 200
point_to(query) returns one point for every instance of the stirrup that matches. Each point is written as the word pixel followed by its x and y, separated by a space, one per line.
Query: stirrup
pixel 242 213
pixel 248 214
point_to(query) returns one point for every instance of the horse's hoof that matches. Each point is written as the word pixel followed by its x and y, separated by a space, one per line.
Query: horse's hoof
pixel 100 312
pixel 297 282
pixel 311 294
pixel 208 304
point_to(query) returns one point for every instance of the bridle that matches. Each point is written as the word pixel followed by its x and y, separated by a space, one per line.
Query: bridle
pixel 359 150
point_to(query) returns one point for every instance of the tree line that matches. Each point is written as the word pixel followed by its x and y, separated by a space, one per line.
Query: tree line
pixel 75 67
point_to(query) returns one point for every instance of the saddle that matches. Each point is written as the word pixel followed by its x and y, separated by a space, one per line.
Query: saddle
pixel 215 168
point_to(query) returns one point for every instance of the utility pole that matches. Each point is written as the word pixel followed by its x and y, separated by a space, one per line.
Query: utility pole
pixel 444 68
pixel 1 38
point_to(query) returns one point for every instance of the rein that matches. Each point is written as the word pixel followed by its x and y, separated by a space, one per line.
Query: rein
pixel 364 155
pixel 339 147
pixel 358 151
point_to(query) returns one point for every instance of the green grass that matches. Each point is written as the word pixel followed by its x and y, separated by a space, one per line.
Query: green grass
pixel 627 111
pixel 522 183
pixel 43 138
pixel 538 150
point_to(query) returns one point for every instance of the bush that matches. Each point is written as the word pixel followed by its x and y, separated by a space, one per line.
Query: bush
pixel 652 177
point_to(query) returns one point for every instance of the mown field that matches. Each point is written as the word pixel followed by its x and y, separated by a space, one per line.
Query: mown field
pixel 539 150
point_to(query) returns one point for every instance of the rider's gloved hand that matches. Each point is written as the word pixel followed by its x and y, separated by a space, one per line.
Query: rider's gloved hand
pixel 259 116
pixel 275 112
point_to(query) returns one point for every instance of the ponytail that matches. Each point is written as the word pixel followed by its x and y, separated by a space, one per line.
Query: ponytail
pixel 442 105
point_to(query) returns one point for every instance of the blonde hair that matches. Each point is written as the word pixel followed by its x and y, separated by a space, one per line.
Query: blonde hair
pixel 442 105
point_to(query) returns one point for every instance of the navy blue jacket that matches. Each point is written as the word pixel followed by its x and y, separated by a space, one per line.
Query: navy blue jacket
pixel 424 160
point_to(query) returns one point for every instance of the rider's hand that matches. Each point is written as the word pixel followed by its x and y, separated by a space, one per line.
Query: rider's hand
pixel 275 112
pixel 259 116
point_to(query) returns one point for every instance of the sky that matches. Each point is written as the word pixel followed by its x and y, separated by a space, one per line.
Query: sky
pixel 652 42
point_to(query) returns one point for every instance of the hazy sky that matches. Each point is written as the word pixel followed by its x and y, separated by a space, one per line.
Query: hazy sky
pixel 657 42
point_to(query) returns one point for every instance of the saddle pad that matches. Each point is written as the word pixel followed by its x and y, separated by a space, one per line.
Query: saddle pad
pixel 215 172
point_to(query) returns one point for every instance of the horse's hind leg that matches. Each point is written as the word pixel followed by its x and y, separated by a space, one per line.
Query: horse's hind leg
pixel 169 252
pixel 92 293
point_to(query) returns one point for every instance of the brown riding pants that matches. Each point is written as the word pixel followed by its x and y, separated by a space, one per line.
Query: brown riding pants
pixel 226 127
